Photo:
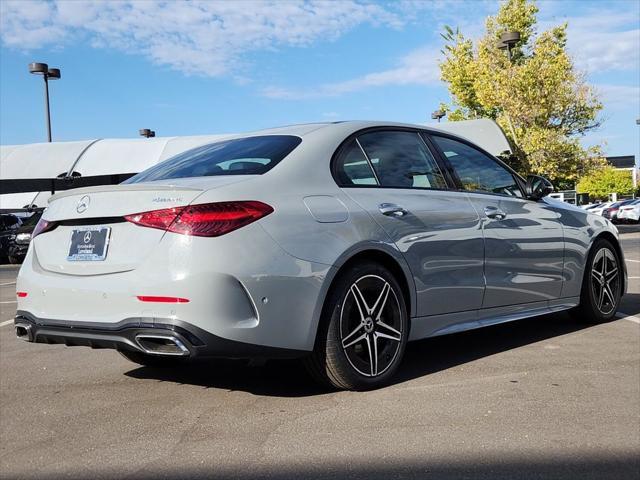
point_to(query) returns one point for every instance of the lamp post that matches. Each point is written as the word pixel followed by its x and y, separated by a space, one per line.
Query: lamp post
pixel 147 133
pixel 48 74
pixel 437 115
pixel 507 41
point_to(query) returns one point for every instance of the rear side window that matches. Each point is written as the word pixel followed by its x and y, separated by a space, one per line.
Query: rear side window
pixel 478 172
pixel 241 156
pixel 352 167
pixel 402 160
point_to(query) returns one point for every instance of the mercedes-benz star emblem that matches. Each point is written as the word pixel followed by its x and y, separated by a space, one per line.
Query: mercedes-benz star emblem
pixel 87 237
pixel 83 204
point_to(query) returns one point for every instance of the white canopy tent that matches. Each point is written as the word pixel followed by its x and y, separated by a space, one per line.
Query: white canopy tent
pixel 85 158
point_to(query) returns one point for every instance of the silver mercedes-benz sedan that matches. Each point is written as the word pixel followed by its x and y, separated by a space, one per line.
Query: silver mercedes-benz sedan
pixel 335 242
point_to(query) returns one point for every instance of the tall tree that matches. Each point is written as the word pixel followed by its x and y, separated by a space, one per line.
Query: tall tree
pixel 537 96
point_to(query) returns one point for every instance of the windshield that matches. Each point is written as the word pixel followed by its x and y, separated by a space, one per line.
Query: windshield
pixel 241 156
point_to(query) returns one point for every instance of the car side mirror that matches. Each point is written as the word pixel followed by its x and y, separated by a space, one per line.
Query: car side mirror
pixel 538 187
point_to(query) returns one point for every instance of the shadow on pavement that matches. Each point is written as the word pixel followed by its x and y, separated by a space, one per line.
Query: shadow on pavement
pixel 289 379
pixel 580 466
pixel 630 304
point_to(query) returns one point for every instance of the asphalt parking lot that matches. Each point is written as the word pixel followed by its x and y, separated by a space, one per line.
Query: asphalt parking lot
pixel 542 398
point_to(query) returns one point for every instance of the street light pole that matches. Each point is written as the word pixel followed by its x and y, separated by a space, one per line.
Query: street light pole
pixel 437 115
pixel 46 102
pixel 47 73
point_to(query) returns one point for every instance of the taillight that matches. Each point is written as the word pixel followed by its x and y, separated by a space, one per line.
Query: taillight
pixel 42 226
pixel 206 220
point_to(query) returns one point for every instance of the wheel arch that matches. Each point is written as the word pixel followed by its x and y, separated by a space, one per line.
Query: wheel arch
pixel 381 253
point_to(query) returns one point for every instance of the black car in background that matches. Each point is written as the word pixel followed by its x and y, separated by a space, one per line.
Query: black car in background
pixel 9 223
pixel 15 236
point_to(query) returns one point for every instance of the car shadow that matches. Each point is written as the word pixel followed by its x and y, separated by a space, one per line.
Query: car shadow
pixel 288 378
pixel 630 304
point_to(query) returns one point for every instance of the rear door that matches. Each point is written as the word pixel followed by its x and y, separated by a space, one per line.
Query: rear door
pixel 393 175
pixel 524 244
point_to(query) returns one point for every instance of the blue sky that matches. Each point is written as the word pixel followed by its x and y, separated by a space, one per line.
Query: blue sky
pixel 184 68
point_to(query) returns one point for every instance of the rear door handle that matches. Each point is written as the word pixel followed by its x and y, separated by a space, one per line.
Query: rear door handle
pixel 494 213
pixel 392 210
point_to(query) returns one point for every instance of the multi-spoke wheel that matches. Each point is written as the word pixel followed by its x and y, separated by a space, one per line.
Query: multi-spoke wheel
pixel 602 284
pixel 364 330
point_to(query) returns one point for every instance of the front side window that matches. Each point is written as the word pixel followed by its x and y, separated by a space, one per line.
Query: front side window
pixel 240 156
pixel 477 171
pixel 402 160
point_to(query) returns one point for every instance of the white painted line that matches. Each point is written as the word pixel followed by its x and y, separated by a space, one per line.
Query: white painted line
pixel 6 284
pixel 9 302
pixel 631 260
pixel 6 322
pixel 631 318
pixel 633 278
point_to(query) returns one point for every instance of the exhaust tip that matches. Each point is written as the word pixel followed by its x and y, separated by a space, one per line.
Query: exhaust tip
pixel 24 332
pixel 162 345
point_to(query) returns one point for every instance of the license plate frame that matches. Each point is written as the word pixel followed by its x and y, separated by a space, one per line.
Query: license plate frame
pixel 89 244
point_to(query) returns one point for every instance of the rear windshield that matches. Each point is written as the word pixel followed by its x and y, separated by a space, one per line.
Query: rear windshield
pixel 241 156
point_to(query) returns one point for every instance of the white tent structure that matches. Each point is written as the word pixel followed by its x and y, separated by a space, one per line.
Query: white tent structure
pixel 485 133
pixel 116 156
pixel 86 158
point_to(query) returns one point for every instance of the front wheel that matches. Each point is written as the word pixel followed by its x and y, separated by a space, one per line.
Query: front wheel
pixel 601 285
pixel 363 331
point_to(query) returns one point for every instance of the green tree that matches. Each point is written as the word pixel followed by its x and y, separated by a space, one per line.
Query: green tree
pixel 540 100
pixel 599 184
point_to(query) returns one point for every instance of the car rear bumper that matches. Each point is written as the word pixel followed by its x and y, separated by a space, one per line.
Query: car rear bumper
pixel 137 334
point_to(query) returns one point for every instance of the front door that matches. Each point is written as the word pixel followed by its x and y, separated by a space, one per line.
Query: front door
pixel 524 244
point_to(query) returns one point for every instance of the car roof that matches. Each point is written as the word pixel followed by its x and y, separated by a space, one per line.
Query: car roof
pixel 303 129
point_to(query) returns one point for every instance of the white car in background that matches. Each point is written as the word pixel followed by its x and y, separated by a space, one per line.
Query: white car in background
pixel 630 212
pixel 600 208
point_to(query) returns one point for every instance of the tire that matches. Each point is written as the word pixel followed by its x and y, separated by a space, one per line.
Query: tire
pixel 364 315
pixel 14 260
pixel 152 360
pixel 599 299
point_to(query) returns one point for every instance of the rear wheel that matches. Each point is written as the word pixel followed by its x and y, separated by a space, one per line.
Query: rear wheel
pixel 601 285
pixel 363 332
pixel 155 361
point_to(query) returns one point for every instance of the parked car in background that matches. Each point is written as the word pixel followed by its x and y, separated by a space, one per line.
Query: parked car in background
pixel 611 212
pixel 18 244
pixel 589 206
pixel 600 208
pixel 630 213
pixel 9 223
pixel 334 242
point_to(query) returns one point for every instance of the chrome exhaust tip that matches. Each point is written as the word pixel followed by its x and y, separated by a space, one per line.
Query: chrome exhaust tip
pixel 162 345
pixel 24 332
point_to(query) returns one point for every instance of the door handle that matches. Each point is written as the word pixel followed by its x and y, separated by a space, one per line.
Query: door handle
pixel 494 213
pixel 392 210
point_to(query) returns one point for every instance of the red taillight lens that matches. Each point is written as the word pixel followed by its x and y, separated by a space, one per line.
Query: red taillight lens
pixel 161 219
pixel 41 227
pixel 21 294
pixel 206 220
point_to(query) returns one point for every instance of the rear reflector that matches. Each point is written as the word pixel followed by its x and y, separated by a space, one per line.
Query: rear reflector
pixel 21 294
pixel 205 220
pixel 149 298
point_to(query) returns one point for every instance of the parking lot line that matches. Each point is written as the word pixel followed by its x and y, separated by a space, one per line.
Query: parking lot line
pixel 626 316
pixel 6 284
pixel 631 260
pixel 12 301
pixel 6 322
